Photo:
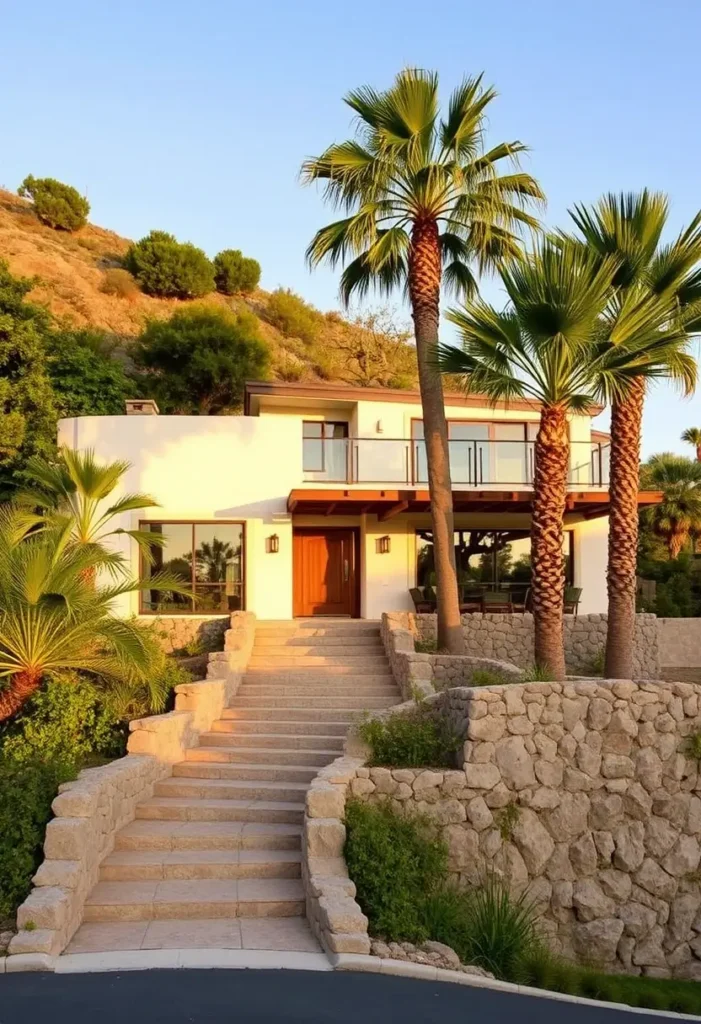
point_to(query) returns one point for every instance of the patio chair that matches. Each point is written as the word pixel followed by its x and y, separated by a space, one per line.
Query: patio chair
pixel 422 605
pixel 572 597
pixel 494 601
pixel 524 602
pixel 470 600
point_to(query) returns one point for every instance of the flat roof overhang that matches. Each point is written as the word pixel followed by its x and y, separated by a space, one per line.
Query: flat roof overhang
pixel 387 504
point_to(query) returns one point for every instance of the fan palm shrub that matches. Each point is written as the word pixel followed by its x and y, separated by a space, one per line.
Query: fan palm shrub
pixel 562 342
pixel 74 495
pixel 53 616
pixel 425 202
pixel 677 518
pixel 628 228
pixel 692 435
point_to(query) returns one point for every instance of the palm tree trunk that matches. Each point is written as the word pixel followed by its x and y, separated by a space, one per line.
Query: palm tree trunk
pixel 20 688
pixel 547 533
pixel 424 292
pixel 626 421
pixel 698 452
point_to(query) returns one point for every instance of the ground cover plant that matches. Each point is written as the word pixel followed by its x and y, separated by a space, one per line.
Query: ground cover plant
pixel 411 740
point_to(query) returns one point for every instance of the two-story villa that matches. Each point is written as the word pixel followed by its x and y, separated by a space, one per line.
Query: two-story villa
pixel 315 500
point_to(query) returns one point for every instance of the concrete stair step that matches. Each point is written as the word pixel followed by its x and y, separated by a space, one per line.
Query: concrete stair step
pixel 356 662
pixel 164 808
pixel 316 627
pixel 294 715
pixel 195 898
pixel 271 739
pixel 263 755
pixel 318 644
pixel 244 726
pixel 248 933
pixel 246 772
pixel 181 865
pixel 313 689
pixel 349 702
pixel 230 789
pixel 316 674
pixel 207 835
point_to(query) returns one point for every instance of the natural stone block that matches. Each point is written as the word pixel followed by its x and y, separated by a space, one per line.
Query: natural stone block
pixel 515 763
pixel 46 907
pixel 325 837
pixel 597 940
pixel 325 801
pixel 533 841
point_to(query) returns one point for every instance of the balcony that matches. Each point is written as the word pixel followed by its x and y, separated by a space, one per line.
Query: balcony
pixel 479 464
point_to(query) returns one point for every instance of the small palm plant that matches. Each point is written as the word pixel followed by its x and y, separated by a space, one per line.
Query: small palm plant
pixel 692 436
pixel 75 493
pixel 677 518
pixel 53 617
pixel 424 203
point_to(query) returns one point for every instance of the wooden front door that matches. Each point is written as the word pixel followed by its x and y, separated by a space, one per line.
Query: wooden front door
pixel 325 572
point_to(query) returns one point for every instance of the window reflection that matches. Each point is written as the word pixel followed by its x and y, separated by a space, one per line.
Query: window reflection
pixel 208 558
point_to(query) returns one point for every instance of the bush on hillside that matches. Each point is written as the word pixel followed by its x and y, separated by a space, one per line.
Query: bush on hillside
pixel 235 273
pixel 168 268
pixel 395 862
pixel 120 283
pixel 293 316
pixel 198 361
pixel 86 378
pixel 58 205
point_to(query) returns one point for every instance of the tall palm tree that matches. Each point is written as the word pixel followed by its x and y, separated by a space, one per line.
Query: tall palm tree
pixel 629 227
pixel 692 435
pixel 424 203
pixel 75 491
pixel 52 617
pixel 558 344
pixel 677 519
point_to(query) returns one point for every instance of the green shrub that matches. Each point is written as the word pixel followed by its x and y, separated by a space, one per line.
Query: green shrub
pixel 119 282
pixel 486 925
pixel 235 273
pixel 198 361
pixel 58 205
pixel 537 674
pixel 168 268
pixel 410 740
pixel 68 720
pixel 27 788
pixel 395 862
pixel 506 821
pixel 425 646
pixel 293 316
pixel 692 746
pixel 487 677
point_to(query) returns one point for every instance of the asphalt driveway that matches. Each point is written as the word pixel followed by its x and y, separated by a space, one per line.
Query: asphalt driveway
pixel 274 997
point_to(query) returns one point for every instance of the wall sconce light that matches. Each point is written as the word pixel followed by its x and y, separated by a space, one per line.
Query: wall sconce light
pixel 383 545
pixel 272 544
pixel 380 427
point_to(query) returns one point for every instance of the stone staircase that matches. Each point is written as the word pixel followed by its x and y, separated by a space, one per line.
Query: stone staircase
pixel 213 859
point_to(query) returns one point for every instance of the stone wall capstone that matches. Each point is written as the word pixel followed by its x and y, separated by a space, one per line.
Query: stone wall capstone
pixel 584 794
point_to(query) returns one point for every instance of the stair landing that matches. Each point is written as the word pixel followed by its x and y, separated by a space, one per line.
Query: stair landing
pixel 213 858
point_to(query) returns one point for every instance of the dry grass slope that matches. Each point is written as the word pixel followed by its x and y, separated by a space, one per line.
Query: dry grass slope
pixel 71 270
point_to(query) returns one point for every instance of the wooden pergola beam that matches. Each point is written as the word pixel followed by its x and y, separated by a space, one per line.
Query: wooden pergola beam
pixel 392 511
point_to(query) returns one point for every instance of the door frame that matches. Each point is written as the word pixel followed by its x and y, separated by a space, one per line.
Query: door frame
pixel 355 564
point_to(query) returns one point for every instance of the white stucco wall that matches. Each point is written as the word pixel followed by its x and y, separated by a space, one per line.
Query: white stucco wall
pixel 243 468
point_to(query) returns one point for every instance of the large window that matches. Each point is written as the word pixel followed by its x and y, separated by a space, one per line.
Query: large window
pixel 208 557
pixel 487 559
pixel 324 449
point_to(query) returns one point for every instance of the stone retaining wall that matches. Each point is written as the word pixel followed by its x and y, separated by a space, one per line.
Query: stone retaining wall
pixel 178 630
pixel 584 794
pixel 680 643
pixel 91 810
pixel 509 639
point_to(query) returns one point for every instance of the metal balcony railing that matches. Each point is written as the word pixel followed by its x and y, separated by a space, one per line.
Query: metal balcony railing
pixel 370 460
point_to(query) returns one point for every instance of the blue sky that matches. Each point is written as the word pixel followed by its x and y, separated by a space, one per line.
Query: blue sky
pixel 195 117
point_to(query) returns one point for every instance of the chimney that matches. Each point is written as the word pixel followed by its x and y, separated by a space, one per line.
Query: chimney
pixel 141 407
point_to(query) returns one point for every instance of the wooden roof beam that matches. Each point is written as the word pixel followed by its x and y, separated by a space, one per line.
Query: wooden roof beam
pixel 392 511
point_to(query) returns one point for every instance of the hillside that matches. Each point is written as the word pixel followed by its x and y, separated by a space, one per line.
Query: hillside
pixel 70 269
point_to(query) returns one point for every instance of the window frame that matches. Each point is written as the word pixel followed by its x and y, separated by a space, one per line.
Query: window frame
pixel 145 524
pixel 323 424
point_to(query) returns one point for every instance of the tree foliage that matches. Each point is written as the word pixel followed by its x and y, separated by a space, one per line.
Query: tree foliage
pixel 199 360
pixel 27 412
pixel 168 268
pixel 294 317
pixel 86 378
pixel 235 273
pixel 377 352
pixel 678 516
pixel 58 205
